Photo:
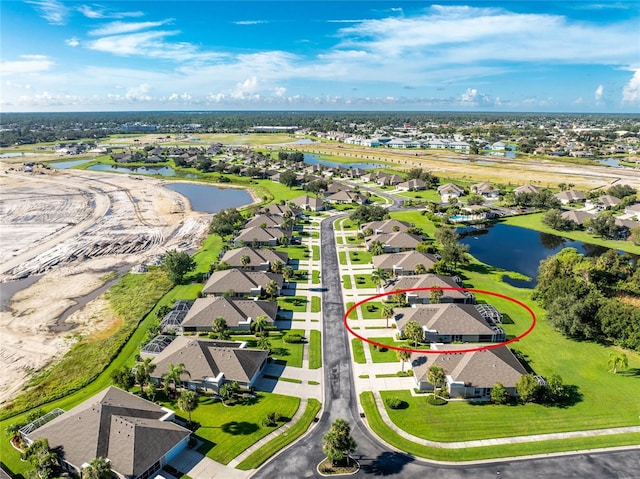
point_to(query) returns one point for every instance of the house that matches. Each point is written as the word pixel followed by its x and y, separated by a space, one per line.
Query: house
pixel 470 375
pixel 137 436
pixel 446 323
pixel 439 144
pixel 259 259
pixel 431 281
pixel 310 203
pixel 344 197
pixel 459 145
pixel 210 363
pixel 264 221
pixel 281 210
pixel 394 242
pixel 498 146
pixel 578 217
pixel 258 236
pixel 385 226
pixel 384 179
pixel 528 189
pixel 569 196
pixel 449 191
pixel 336 187
pixel 399 264
pixel 415 184
pixel 486 190
pixel 234 282
pixel 238 313
pixel 633 210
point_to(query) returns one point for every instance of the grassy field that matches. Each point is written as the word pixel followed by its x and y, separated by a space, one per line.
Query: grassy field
pixel 297 304
pixel 371 310
pixel 384 431
pixel 315 349
pixel 534 222
pixel 289 353
pixel 298 252
pixel 358 351
pixel 228 431
pixel 294 432
pixel 360 257
pixel 364 281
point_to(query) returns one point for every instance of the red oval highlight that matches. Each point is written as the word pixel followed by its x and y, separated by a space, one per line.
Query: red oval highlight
pixel 442 351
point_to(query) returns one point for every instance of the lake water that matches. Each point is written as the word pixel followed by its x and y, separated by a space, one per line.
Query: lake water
pixel 519 249
pixel 63 165
pixel 15 155
pixel 211 199
pixel 310 159
pixel 610 162
pixel 138 170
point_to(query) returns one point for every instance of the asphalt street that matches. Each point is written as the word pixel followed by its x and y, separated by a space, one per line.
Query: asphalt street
pixel 376 459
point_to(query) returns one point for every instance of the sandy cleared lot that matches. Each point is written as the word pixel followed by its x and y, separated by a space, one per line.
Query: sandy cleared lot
pixel 70 229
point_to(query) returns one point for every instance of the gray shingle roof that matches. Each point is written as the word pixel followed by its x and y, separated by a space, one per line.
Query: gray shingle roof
pixel 116 425
pixel 386 226
pixel 257 256
pixel 234 311
pixel 429 281
pixel 446 318
pixel 399 239
pixel 239 281
pixel 407 260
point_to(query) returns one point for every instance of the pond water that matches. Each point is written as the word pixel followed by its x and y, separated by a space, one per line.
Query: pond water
pixel 211 199
pixel 138 170
pixel 63 165
pixel 310 159
pixel 15 155
pixel 519 249
pixel 610 162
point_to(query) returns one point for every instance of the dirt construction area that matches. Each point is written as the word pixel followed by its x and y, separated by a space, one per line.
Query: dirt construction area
pixel 62 235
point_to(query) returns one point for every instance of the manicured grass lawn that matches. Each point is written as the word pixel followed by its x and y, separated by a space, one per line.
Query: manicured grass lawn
pixel 534 222
pixel 289 353
pixel 417 219
pixel 353 314
pixel 315 277
pixel 347 225
pixel 371 310
pixel 315 349
pixel 315 304
pixel 384 431
pixel 354 240
pixel 346 278
pixel 300 276
pixel 299 252
pixel 386 355
pixel 227 431
pixel 360 257
pixel 342 257
pixel 297 304
pixel 358 351
pixel 339 240
pixel 207 254
pixel 315 253
pixel 315 235
pixel 428 195
pixel 294 432
pixel 364 281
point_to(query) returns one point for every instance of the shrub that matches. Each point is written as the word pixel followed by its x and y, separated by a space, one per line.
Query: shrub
pixel 395 403
pixel 292 338
pixel 271 419
pixel 436 401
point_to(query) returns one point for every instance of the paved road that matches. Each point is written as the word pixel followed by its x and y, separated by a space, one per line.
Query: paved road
pixel 376 459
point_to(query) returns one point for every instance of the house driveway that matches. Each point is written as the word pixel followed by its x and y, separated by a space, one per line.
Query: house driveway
pixel 197 466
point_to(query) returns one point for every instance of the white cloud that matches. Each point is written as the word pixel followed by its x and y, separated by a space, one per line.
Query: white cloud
pixel 94 13
pixel 27 64
pixel 251 22
pixel 72 42
pixel 280 91
pixel 598 93
pixel 52 11
pixel 139 93
pixel 631 91
pixel 246 89
pixel 116 28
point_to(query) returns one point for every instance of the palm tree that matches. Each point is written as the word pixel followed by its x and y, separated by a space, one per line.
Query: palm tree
pixel 188 401
pixel 378 276
pixel 387 312
pixel 143 370
pixel 420 269
pixel 403 355
pixel 436 376
pixel 376 248
pixel 435 296
pixel 264 343
pixel 617 361
pixel 259 324
pixel 174 374
pixel 220 327
pixel 98 468
pixel 287 273
pixel 271 289
pixel 277 267
pixel 245 259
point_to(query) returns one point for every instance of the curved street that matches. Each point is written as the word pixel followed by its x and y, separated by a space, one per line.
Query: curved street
pixel 377 459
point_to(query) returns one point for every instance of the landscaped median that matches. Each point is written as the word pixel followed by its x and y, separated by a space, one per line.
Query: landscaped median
pixel 387 434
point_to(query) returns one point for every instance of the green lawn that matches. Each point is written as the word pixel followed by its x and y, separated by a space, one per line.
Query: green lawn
pixel 534 222
pixel 360 257
pixel 358 351
pixel 348 225
pixel 297 304
pixel 315 349
pixel 353 240
pixel 385 432
pixel 315 304
pixel 427 195
pixel 385 355
pixel 315 253
pixel 315 277
pixel 289 353
pixel 417 219
pixel 364 281
pixel 346 278
pixel 294 432
pixel 354 313
pixel 300 276
pixel 339 240
pixel 299 252
pixel 371 310
pixel 342 257
pixel 228 431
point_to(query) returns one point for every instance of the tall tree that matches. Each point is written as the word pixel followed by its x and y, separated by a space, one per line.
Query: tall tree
pixel 403 355
pixel 376 247
pixel 618 360
pixel 221 328
pixel 528 388
pixel 188 401
pixel 259 324
pixel 143 370
pixel 413 332
pixel 436 376
pixel 287 273
pixel 435 296
pixel 123 378
pixel 174 375
pixel 245 259
pixel 288 178
pixel 338 443
pixel 271 289
pixel 387 312
pixel 378 276
pixel 98 468
pixel 499 394
pixel 177 264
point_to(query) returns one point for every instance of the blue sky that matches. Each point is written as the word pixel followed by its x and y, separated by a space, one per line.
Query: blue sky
pixel 578 56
